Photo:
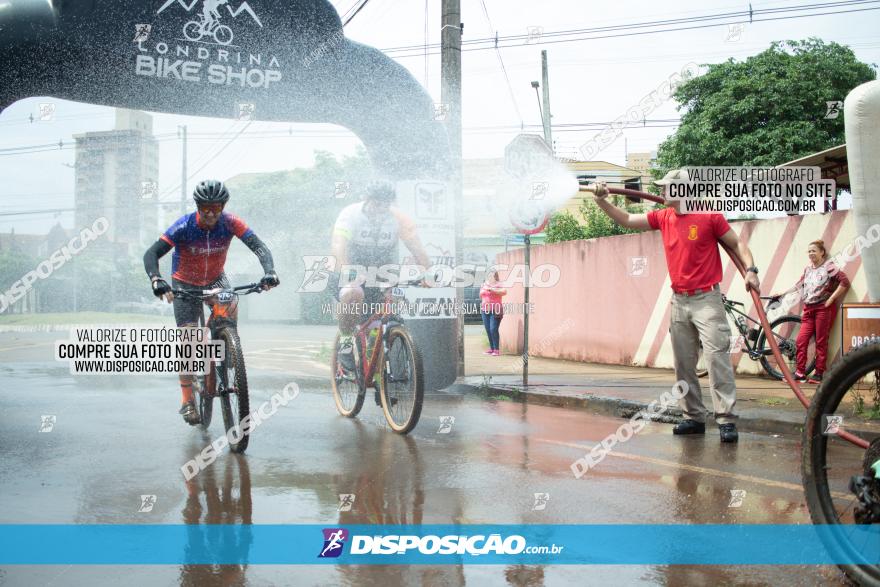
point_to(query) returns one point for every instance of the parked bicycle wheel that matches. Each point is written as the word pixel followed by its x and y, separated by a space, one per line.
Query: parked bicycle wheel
pixel 232 388
pixel 348 389
pixel 402 381
pixel 785 330
pixel 836 471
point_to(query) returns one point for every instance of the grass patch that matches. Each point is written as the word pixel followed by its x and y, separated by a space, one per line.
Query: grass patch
pixel 501 398
pixel 324 354
pixel 773 401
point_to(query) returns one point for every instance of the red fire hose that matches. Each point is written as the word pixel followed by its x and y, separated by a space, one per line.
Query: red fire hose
pixel 765 324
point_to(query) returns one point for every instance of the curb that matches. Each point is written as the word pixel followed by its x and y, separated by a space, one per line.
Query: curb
pixel 750 419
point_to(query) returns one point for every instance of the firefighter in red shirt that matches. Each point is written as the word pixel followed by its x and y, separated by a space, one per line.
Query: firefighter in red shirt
pixel 694 263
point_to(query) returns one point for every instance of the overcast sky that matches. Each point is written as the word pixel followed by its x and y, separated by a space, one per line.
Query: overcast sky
pixel 590 81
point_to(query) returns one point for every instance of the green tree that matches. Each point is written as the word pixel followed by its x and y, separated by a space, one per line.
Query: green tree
pixel 599 224
pixel 765 110
pixel 294 211
pixel 563 226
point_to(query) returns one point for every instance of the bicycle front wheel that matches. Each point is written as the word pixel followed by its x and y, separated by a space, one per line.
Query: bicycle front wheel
pixel 402 381
pixel 232 387
pixel 785 331
pixel 830 462
pixel 223 34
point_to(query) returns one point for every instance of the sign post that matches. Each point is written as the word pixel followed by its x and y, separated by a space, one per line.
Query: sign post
pixel 527 159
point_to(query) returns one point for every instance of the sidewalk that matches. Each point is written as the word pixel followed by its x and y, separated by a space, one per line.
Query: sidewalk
pixel 763 405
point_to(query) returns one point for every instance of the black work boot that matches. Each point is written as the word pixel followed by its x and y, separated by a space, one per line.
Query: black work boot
pixel 689 427
pixel 728 432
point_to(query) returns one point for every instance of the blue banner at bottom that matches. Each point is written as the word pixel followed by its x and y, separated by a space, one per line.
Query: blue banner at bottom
pixel 108 544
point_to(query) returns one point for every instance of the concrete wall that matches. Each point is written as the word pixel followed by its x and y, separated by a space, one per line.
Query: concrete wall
pixel 602 311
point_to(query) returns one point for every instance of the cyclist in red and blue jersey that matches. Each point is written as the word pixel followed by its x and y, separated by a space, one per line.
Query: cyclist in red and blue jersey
pixel 200 241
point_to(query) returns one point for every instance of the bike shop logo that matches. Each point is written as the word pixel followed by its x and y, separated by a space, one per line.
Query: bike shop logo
pixel 334 542
pixel 207 25
pixel 205 52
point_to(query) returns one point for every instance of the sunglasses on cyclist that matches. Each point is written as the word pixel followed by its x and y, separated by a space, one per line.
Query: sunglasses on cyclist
pixel 212 208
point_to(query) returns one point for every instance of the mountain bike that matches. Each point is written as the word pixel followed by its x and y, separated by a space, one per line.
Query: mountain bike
pixel 785 329
pixel 387 359
pixel 226 379
pixel 841 458
pixel 195 30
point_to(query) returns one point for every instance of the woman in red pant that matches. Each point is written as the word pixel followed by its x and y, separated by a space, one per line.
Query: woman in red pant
pixel 821 286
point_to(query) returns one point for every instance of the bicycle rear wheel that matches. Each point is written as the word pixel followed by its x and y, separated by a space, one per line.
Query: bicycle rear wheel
pixel 402 381
pixel 785 331
pixel 348 389
pixel 830 462
pixel 203 390
pixel 232 388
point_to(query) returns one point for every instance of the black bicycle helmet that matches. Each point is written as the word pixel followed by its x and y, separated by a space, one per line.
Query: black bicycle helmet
pixel 382 191
pixel 211 191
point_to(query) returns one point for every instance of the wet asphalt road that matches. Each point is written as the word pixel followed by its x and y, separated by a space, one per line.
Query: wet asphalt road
pixel 115 439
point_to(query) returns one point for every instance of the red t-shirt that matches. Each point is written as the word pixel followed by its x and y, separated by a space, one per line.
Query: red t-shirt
pixel 691 244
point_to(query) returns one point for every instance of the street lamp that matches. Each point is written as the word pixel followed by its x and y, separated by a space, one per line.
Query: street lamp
pixel 536 85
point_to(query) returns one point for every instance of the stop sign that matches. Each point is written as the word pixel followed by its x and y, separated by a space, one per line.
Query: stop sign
pixel 529 162
pixel 527 155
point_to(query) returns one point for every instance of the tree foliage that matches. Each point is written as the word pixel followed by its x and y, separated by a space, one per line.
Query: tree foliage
pixel 294 211
pixel 563 226
pixel 599 224
pixel 766 110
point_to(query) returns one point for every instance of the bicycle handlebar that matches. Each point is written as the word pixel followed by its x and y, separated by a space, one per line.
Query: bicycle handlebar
pixel 410 283
pixel 207 293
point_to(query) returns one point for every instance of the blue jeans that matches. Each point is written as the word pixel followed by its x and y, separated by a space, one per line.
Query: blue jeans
pixel 491 322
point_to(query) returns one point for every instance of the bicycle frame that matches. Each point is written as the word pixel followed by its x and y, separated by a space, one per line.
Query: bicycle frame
pixel 730 309
pixel 368 365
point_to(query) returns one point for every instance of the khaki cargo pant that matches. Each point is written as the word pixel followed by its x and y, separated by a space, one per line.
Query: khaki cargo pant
pixel 695 319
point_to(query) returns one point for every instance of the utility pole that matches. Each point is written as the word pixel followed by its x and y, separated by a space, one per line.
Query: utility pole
pixel 181 132
pixel 450 94
pixel 545 82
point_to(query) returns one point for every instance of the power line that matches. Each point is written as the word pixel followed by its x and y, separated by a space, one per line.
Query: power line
pixel 350 18
pixel 655 23
pixel 663 26
pixel 284 134
pixel 426 43
pixel 501 62
pixel 217 154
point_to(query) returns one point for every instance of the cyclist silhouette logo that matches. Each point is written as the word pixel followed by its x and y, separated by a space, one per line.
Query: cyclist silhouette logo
pixel 346 501
pixel 208 27
pixel 833 424
pixel 317 274
pixel 334 541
